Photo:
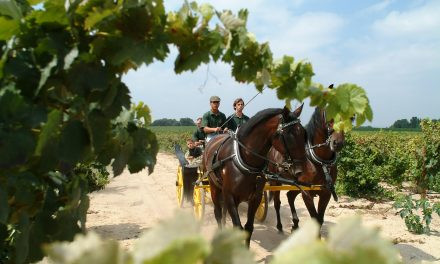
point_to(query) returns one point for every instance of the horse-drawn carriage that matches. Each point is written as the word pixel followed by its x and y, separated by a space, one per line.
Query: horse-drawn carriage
pixel 238 167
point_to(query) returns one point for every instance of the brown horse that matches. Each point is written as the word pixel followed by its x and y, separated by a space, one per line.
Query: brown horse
pixel 322 145
pixel 234 163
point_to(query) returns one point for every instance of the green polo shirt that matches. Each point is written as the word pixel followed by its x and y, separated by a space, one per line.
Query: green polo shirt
pixel 198 135
pixel 212 120
pixel 235 121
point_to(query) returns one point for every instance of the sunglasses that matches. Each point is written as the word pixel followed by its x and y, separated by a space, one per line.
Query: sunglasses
pixel 215 102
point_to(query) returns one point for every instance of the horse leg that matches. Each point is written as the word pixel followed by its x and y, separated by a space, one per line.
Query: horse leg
pixel 232 207
pixel 324 198
pixel 224 211
pixel 277 205
pixel 291 195
pixel 254 203
pixel 308 201
pixel 216 200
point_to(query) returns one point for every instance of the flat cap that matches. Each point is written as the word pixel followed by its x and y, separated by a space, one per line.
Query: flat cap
pixel 214 98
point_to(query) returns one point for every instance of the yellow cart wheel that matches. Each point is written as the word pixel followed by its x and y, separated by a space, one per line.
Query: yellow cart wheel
pixel 179 187
pixel 199 202
pixel 261 213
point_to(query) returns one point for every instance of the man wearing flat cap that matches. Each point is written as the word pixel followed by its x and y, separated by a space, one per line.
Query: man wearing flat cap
pixel 213 121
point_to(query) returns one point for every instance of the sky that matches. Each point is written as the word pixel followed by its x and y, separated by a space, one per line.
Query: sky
pixel 391 48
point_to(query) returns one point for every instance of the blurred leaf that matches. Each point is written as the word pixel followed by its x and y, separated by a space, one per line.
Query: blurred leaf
pixel 96 17
pixel 228 248
pixel 86 249
pixel 8 28
pixel 174 241
pixel 54 12
pixel 4 207
pixel 74 143
pixel 15 148
pixel 230 21
pixel 49 130
pixel 98 126
pixel 11 9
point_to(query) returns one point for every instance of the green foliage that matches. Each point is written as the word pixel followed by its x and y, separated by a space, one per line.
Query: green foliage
pixel 368 159
pixel 416 213
pixel 179 240
pixel 168 136
pixel 63 103
pixel 95 173
pixel 427 176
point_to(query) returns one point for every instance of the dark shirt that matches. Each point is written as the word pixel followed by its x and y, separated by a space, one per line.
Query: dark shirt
pixel 199 135
pixel 235 121
pixel 195 152
pixel 212 120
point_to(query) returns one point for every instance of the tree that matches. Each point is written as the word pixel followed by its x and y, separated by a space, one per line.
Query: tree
pixel 414 122
pixel 62 100
pixel 165 122
pixel 401 123
pixel 186 121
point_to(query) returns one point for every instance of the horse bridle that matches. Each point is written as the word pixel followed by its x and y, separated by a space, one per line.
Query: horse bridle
pixel 330 131
pixel 288 156
pixel 289 161
pixel 325 164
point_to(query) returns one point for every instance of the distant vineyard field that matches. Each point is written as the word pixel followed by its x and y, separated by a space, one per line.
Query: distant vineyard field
pixel 167 136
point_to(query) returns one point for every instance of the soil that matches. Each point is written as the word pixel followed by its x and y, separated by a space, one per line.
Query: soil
pixel 133 203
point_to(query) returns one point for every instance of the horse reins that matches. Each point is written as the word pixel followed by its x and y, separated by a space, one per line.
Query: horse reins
pixel 325 164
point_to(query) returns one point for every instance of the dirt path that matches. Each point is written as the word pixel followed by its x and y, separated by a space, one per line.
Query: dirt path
pixel 133 203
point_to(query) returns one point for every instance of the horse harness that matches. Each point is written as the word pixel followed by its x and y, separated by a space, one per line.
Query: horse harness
pixel 241 165
pixel 325 164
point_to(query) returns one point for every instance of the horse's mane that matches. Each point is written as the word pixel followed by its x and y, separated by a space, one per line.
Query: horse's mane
pixel 259 117
pixel 315 123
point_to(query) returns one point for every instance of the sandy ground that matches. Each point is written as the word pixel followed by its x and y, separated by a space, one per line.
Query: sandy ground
pixel 133 203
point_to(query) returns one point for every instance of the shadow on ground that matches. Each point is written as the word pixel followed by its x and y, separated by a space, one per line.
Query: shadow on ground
pixel 119 231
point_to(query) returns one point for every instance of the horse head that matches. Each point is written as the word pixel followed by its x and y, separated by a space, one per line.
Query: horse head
pixel 290 140
pixel 335 138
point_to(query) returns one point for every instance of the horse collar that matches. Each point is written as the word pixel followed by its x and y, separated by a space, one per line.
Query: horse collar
pixel 237 156
pixel 313 157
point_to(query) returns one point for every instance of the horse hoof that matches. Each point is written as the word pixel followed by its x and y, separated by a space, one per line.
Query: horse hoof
pixel 294 228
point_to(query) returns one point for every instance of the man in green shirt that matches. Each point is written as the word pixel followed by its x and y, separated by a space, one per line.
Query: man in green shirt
pixel 238 118
pixel 213 121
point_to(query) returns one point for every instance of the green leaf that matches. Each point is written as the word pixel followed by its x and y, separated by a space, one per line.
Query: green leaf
pixel 74 143
pixel 22 238
pixel 96 17
pixel 144 152
pixel 49 130
pixel 8 28
pixel 15 148
pixel 207 12
pixel 35 2
pixel 4 206
pixel 174 241
pixel 230 21
pixel 54 12
pixel 98 126
pixel 10 9
pixel 123 156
